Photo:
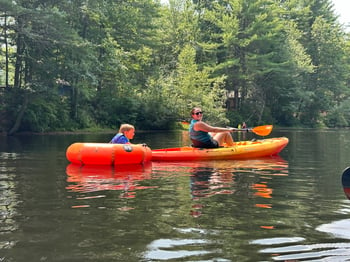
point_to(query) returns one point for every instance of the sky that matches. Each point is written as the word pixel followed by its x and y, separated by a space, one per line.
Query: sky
pixel 341 8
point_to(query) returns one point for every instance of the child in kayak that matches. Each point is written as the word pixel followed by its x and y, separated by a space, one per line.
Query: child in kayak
pixel 126 132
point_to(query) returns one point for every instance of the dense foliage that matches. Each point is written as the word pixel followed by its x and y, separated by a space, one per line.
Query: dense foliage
pixel 87 64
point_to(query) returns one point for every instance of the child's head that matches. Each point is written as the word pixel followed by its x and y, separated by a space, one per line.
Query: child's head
pixel 127 130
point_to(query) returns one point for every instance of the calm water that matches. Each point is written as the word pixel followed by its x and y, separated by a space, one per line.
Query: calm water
pixel 289 208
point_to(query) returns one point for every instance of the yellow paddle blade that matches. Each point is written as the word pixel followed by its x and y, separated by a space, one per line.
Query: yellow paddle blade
pixel 185 125
pixel 262 130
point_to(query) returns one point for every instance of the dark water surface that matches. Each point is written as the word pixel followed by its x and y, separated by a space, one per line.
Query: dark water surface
pixel 288 208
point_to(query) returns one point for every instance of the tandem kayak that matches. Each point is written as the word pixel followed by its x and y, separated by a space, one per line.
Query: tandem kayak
pixel 107 154
pixel 241 150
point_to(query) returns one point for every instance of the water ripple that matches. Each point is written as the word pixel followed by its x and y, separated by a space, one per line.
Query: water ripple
pixel 277 240
pixel 327 252
pixel 338 228
pixel 164 249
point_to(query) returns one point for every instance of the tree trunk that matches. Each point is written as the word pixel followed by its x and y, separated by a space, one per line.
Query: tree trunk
pixel 19 117
pixel 6 54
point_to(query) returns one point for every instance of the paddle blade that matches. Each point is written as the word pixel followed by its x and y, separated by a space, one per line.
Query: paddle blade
pixel 262 130
pixel 184 125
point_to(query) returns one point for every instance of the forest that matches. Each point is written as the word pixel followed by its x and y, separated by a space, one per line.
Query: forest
pixel 95 64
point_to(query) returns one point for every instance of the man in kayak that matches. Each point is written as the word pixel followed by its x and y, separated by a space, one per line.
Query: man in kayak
pixel 205 136
pixel 126 132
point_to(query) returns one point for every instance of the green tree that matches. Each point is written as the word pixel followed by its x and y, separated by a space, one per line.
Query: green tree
pixel 195 87
pixel 325 43
pixel 77 64
pixel 38 31
pixel 247 38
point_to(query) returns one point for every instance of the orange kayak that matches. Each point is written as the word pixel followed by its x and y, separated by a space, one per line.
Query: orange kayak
pixel 241 150
pixel 107 154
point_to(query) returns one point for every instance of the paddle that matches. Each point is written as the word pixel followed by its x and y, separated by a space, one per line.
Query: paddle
pixel 259 130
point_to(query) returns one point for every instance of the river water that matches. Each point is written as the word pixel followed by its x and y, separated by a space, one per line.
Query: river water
pixel 287 208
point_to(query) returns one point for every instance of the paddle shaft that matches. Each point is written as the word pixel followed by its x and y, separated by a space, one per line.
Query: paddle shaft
pixel 242 129
pixel 259 130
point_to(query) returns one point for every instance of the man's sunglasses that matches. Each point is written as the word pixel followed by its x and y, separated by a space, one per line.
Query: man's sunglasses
pixel 198 113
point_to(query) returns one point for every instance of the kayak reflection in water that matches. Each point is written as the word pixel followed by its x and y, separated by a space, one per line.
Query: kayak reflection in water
pixel 206 182
pixel 247 179
pixel 94 178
